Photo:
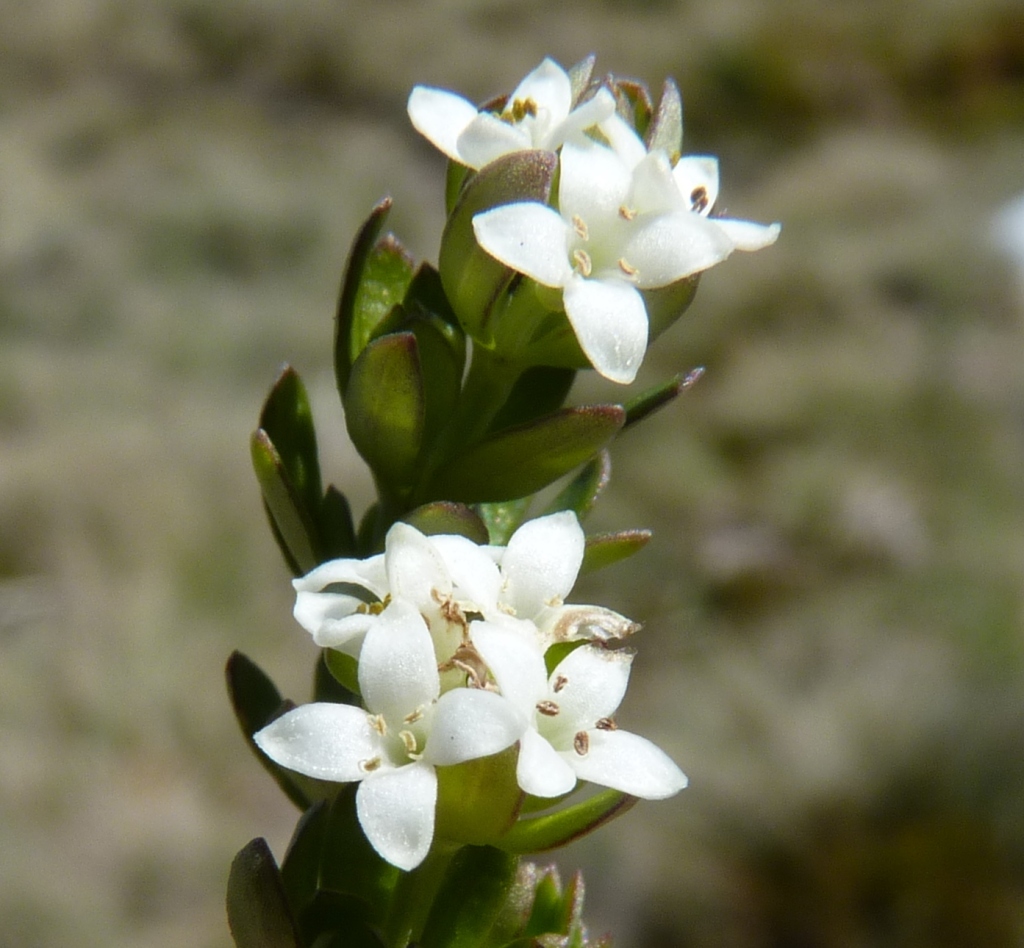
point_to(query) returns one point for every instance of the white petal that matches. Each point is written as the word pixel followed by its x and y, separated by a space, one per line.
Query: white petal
pixel 549 88
pixel 574 622
pixel 627 762
pixel 396 811
pixel 529 237
pixel 440 116
pixel 654 187
pixel 595 681
pixel 368 574
pixel 515 661
pixel 469 723
pixel 610 322
pixel 624 140
pixel 694 172
pixel 542 562
pixel 474 573
pixel 313 609
pixel 747 235
pixel 345 634
pixel 397 667
pixel 487 137
pixel 594 185
pixel 416 571
pixel 669 247
pixel 595 110
pixel 541 770
pixel 326 741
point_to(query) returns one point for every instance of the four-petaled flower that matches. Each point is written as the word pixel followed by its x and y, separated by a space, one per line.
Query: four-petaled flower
pixel 539 114
pixel 392 747
pixel 568 732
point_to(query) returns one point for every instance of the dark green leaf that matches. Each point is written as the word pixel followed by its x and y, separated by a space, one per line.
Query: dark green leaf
pixel 666 129
pixel 334 678
pixel 581 493
pixel 337 532
pixel 539 391
pixel 334 920
pixel 284 502
pixel 384 407
pixel 548 913
pixel 258 913
pixel 444 516
pixel 288 421
pixel 605 549
pixel 634 103
pixel 521 460
pixel 473 280
pixel 300 870
pixel 667 303
pixel 503 518
pixel 551 830
pixel 376 276
pixel 647 403
pixel 470 899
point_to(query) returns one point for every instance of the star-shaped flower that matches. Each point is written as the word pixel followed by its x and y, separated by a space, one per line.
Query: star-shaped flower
pixel 568 730
pixel 393 747
pixel 622 226
pixel 539 114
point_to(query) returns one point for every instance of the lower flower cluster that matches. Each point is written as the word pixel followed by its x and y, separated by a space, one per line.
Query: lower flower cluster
pixel 463 651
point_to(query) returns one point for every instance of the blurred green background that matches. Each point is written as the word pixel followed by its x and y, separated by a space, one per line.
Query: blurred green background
pixel 834 642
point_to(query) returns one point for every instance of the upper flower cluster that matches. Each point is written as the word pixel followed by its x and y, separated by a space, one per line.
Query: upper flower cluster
pixel 626 219
pixel 450 639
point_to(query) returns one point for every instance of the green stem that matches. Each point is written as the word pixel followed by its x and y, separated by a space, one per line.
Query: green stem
pixel 414 896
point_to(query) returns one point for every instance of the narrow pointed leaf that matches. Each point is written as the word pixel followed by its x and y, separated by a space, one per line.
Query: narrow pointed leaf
pixel 539 391
pixel 634 103
pixel 548 914
pixel 337 531
pixel 334 678
pixel 503 518
pixel 384 406
pixel 284 502
pixel 470 899
pixel 443 516
pixel 521 460
pixel 581 493
pixel 258 914
pixel 288 421
pixel 646 403
pixel 551 830
pixel 666 129
pixel 579 76
pixel 606 549
pixel 300 869
pixel 667 303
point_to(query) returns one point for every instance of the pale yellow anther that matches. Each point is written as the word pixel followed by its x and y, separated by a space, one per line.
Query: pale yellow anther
pixel 627 213
pixel 580 227
pixel 413 716
pixel 408 741
pixel 626 267
pixel 378 723
pixel 582 261
pixel 369 766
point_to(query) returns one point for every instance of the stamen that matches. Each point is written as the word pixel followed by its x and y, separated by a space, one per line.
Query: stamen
pixel 409 740
pixel 606 724
pixel 582 260
pixel 548 708
pixel 626 267
pixel 627 213
pixel 581 743
pixel 580 226
pixel 413 716
pixel 369 766
pixel 699 199
pixel 560 682
pixel 519 109
pixel 378 723
pixel 373 608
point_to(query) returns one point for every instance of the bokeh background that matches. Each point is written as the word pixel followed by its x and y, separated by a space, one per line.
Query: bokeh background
pixel 834 642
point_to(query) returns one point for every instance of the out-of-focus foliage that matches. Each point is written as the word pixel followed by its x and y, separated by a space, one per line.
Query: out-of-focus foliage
pixel 834 595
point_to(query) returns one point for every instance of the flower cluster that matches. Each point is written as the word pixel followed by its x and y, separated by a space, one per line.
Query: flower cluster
pixel 451 641
pixel 627 218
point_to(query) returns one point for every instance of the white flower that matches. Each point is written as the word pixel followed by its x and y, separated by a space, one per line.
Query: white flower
pixel 448 577
pixel 539 114
pixel 622 225
pixel 393 747
pixel 568 730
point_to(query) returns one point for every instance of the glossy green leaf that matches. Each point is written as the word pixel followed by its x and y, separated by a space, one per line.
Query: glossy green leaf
pixel 548 915
pixel 634 103
pixel 470 899
pixel 606 549
pixel 384 407
pixel 647 403
pixel 503 518
pixel 551 830
pixel 539 391
pixel 256 702
pixel 442 359
pixel 443 516
pixel 284 503
pixel 473 280
pixel 667 303
pixel 666 128
pixel 300 868
pixel 258 914
pixel 376 276
pixel 581 493
pixel 334 920
pixel 343 669
pixel 288 421
pixel 337 531
pixel 521 460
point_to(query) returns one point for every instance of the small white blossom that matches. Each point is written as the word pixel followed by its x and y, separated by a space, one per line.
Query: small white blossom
pixel 568 732
pixel 539 114
pixel 392 748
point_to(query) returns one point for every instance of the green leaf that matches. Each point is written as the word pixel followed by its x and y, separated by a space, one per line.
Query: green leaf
pixel 288 421
pixel 257 702
pixel 337 531
pixel 470 899
pixel 343 669
pixel 473 280
pixel 300 869
pixel 443 516
pixel 647 403
pixel 503 518
pixel 551 830
pixel 258 914
pixel 666 128
pixel 667 303
pixel 384 407
pixel 548 913
pixel 539 391
pixel 605 549
pixel 376 277
pixel 581 493
pixel 634 103
pixel 284 503
pixel 521 460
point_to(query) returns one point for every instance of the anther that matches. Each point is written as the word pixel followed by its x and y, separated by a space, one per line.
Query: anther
pixel 627 213
pixel 369 766
pixel 581 743
pixel 626 267
pixel 582 260
pixel 560 682
pixel 580 226
pixel 699 199
pixel 548 708
pixel 606 724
